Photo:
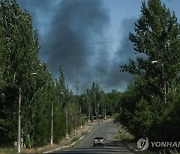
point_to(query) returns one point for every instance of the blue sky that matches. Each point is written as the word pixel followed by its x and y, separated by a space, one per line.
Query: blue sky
pixel 86 36
pixel 123 9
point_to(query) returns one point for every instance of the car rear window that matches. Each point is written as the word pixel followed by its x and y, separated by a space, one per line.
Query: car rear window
pixel 99 138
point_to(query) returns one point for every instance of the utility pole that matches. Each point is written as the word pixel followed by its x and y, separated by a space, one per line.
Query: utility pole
pixel 89 114
pixel 52 114
pixel 19 122
pixel 77 92
pixel 66 114
pixel 105 111
pixel 98 114
pixel 67 136
pixel 81 117
pixel 77 85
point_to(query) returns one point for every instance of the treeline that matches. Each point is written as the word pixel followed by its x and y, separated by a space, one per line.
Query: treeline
pixel 49 110
pixel 25 78
pixel 151 105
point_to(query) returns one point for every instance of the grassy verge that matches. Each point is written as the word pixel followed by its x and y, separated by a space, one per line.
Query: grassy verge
pixel 130 140
pixel 74 139
pixel 63 142
pixel 124 134
pixel 8 150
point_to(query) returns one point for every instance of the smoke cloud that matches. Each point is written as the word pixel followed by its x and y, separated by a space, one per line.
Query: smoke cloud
pixel 124 52
pixel 73 33
pixel 76 25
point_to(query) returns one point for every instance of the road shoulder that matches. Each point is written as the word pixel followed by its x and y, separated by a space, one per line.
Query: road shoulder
pixel 65 142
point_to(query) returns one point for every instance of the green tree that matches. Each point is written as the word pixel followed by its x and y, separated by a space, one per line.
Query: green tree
pixel 95 98
pixel 38 108
pixel 18 59
pixel 157 36
pixel 142 119
pixel 87 104
pixel 113 102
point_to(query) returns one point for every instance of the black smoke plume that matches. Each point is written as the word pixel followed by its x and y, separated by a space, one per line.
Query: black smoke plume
pixel 77 25
pixel 72 33
pixel 125 51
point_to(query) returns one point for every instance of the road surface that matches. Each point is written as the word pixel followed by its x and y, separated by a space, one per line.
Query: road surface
pixel 112 145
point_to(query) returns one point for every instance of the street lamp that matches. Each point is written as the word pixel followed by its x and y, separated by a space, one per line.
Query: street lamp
pixel 81 112
pixel 19 122
pixel 154 61
pixel 52 114
pixel 98 114
pixel 105 111
pixel 67 136
pixel 165 82
pixel 66 114
pixel 19 118
pixel 89 114
pixel 81 117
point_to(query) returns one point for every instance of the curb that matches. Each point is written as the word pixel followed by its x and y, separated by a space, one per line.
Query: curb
pixel 70 145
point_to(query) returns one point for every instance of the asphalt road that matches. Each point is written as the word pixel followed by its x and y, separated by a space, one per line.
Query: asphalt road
pixel 112 145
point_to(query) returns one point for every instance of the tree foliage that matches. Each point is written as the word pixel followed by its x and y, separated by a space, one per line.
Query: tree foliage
pixel 20 68
pixel 156 36
pixel 150 103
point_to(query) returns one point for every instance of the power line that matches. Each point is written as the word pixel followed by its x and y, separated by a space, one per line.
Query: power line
pixel 70 51
pixel 88 43
pixel 63 52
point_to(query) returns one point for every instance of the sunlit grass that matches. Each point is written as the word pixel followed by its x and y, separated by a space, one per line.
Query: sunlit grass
pixel 124 135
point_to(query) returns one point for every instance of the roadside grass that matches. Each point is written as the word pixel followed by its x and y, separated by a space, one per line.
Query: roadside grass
pixel 84 133
pixel 48 147
pixel 129 140
pixel 75 139
pixel 7 150
pixel 10 150
pixel 124 134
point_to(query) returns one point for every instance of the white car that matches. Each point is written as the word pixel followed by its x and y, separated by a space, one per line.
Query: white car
pixel 99 141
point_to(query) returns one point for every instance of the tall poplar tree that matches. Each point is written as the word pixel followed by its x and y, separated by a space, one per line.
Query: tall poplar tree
pixel 18 60
pixel 157 35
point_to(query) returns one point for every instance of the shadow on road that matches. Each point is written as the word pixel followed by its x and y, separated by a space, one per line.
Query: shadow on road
pixel 111 147
pixel 116 143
